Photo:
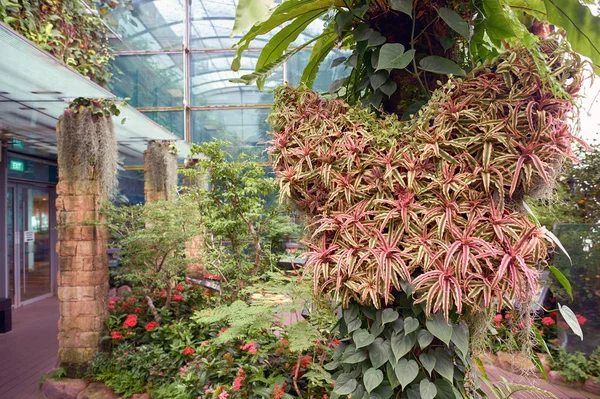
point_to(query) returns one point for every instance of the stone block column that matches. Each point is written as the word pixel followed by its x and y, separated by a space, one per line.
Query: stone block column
pixel 193 247
pixel 83 272
pixel 160 171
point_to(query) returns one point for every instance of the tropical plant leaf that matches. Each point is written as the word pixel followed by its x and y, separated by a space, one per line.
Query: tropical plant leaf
pixel 444 364
pixel 497 24
pixel 427 389
pixel 286 11
pixel 571 320
pixel 372 379
pixel 393 56
pixel 456 22
pixel 428 361
pixel 440 328
pixel 441 65
pixel 406 372
pixel 345 384
pixel 282 39
pixel 580 24
pixel 562 280
pixel 322 47
pixel 249 12
pixel 404 6
pixel 261 75
pixel 379 352
pixel 362 338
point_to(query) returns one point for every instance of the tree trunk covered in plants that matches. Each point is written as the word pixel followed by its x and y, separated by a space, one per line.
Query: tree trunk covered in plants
pixel 87 169
pixel 418 225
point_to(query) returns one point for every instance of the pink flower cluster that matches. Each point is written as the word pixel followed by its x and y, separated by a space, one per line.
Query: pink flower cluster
pixel 250 347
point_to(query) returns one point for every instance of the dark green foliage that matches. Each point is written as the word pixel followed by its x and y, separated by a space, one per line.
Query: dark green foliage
pixel 241 222
pixel 66 29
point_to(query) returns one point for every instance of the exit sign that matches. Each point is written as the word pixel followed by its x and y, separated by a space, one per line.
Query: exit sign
pixel 17 166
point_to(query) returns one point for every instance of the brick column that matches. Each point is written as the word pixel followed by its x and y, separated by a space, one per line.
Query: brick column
pixel 83 272
pixel 160 172
pixel 192 247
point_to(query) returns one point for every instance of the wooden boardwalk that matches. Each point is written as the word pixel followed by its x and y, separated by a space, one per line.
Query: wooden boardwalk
pixel 29 350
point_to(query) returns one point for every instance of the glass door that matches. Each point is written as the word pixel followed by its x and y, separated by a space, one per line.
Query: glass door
pixel 29 251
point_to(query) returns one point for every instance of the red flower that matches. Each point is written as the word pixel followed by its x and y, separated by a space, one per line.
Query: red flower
pixel 117 336
pixel 508 316
pixel 237 383
pixel 498 318
pixel 335 342
pixel 138 310
pixel 163 293
pixel 178 297
pixel 554 315
pixel 179 287
pixel 112 301
pixel 151 325
pixel 283 341
pixel 279 391
pixel 582 320
pixel 250 347
pixel 188 351
pixel 305 361
pixel 548 321
pixel 111 307
pixel 130 321
pixel 131 299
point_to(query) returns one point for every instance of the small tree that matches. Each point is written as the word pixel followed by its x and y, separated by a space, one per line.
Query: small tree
pixel 151 238
pixel 240 217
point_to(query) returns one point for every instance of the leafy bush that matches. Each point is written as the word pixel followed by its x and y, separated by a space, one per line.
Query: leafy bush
pixel 240 218
pixel 572 366
pixel 194 349
pixel 151 239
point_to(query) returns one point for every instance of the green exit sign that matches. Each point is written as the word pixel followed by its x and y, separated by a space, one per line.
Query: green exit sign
pixel 17 166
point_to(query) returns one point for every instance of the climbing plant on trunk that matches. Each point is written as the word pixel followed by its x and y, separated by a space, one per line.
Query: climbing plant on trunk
pixel 415 169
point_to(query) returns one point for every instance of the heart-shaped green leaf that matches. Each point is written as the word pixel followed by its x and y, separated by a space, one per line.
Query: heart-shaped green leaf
pixel 379 352
pixel 372 379
pixel 353 355
pixel 362 338
pixel 393 56
pixel 444 364
pixel 345 384
pixel 440 328
pixel 441 65
pixel 410 325
pixel 424 337
pixel 402 344
pixel 406 372
pixel 388 315
pixel 428 361
pixel 427 389
pixel 460 338
pixel 456 22
pixel 354 325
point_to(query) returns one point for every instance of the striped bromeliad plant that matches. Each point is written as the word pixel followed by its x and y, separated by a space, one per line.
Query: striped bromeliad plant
pixel 419 225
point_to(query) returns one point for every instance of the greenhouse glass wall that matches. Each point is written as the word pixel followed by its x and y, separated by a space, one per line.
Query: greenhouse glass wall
pixel 173 58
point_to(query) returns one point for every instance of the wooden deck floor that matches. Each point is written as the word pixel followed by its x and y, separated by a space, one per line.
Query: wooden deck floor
pixel 29 350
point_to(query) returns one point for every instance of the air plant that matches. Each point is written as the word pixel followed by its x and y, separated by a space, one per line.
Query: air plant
pixel 435 200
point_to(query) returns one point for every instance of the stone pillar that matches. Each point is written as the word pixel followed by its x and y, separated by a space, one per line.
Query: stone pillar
pixel 160 171
pixel 83 272
pixel 195 269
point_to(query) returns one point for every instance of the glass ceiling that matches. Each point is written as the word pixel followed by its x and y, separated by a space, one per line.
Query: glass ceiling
pixel 30 102
pixel 175 60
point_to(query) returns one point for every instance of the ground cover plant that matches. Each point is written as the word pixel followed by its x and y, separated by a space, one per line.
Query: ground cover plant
pixel 204 347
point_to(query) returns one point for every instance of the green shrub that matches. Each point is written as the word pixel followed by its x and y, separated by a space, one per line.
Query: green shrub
pixel 572 366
